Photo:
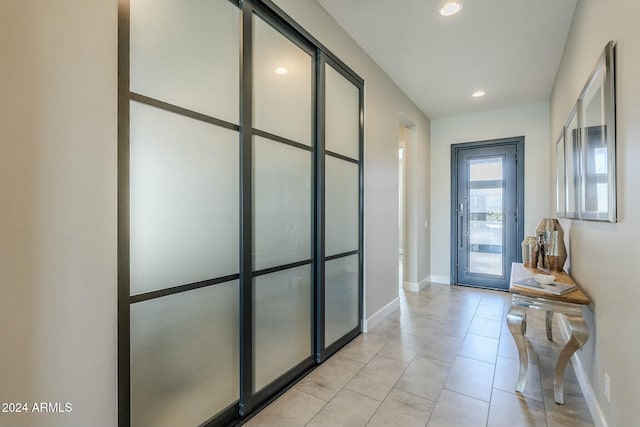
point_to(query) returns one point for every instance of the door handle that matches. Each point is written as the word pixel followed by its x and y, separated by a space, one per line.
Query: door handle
pixel 460 225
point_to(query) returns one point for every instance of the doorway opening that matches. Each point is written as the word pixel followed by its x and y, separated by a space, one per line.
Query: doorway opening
pixel 487 211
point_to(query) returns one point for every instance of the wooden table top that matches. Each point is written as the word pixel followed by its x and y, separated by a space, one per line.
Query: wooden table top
pixel 520 272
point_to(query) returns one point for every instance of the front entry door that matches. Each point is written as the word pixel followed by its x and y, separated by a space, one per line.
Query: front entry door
pixel 487 211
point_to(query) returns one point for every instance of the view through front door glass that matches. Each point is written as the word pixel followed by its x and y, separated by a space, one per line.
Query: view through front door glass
pixel 486 212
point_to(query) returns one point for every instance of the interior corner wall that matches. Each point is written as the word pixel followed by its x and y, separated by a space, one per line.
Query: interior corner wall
pixel 58 188
pixel 386 107
pixel 603 255
pixel 416 210
pixel 530 120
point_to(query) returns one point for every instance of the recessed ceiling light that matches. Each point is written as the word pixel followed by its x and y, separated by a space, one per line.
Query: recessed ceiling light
pixel 478 94
pixel 450 7
pixel 281 70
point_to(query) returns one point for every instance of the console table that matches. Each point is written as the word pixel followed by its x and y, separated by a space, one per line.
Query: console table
pixel 569 304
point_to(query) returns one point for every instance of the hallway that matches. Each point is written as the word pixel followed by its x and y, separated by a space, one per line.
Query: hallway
pixel 444 358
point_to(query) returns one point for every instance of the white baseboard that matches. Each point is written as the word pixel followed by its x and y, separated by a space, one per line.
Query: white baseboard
pixel 585 385
pixel 416 287
pixel 440 279
pixel 411 286
pixel 379 315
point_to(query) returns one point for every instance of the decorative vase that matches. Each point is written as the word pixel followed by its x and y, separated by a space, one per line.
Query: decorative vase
pixel 553 253
pixel 530 251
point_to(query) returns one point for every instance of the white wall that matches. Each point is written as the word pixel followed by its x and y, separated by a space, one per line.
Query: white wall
pixel 58 210
pixel 532 121
pixel 386 107
pixel 603 255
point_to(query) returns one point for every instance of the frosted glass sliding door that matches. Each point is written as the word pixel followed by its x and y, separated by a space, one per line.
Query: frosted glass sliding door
pixel 183 238
pixel 282 204
pixel 239 208
pixel 342 206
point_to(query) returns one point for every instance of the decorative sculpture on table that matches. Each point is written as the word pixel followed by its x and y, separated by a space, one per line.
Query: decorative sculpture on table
pixel 530 251
pixel 552 252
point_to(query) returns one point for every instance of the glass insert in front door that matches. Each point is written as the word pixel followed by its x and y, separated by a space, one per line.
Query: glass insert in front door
pixel 486 215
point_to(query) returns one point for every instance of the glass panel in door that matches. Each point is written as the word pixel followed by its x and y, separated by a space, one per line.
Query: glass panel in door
pixel 341 296
pixel 282 76
pixel 343 117
pixel 281 204
pixel 486 211
pixel 184 192
pixel 185 52
pixel 282 334
pixel 184 356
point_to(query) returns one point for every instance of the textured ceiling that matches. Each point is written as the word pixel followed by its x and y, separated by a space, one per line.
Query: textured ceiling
pixel 511 49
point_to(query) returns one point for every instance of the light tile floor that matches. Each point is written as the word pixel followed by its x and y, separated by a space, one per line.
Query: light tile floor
pixel 445 358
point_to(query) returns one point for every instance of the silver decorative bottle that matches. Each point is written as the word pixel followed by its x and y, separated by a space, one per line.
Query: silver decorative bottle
pixel 553 253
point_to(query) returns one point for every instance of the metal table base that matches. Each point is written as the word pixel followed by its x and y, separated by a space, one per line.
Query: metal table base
pixel 517 322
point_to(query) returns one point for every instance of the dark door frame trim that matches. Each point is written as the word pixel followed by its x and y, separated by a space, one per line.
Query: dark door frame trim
pixel 455 149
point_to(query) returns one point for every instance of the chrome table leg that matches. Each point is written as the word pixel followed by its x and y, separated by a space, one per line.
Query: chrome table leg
pixel 579 335
pixel 549 322
pixel 517 322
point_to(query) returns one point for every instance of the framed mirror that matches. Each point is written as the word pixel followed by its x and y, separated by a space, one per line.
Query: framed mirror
pixel 598 141
pixel 572 165
pixel 561 198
